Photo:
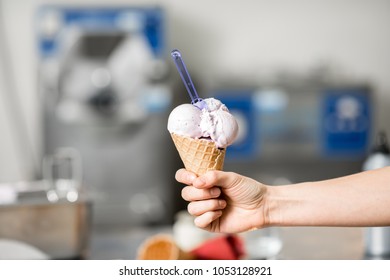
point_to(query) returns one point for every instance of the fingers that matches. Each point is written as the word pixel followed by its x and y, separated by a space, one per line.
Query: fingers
pixel 216 178
pixel 203 192
pixel 185 177
pixel 209 179
pixel 207 218
pixel 190 193
pixel 198 208
pixel 206 211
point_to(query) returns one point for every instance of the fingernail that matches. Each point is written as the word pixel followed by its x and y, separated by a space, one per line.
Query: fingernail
pixel 222 203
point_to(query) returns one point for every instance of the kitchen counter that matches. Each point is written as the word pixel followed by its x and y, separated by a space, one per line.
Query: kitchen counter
pixel 321 243
pixel 302 243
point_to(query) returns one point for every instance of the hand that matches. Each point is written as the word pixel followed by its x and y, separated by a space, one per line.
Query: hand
pixel 224 201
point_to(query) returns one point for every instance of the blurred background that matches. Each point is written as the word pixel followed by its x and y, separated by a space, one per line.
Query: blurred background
pixel 86 162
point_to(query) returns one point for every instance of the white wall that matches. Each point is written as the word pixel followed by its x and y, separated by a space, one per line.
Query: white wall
pixel 238 39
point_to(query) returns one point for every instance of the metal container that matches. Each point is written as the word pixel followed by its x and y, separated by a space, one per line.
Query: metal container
pixel 377 239
pixel 377 242
pixel 53 214
pixel 61 229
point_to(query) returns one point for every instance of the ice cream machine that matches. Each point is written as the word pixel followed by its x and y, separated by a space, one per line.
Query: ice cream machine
pixel 103 82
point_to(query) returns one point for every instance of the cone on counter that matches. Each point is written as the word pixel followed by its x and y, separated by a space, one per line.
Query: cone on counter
pixel 199 155
pixel 162 247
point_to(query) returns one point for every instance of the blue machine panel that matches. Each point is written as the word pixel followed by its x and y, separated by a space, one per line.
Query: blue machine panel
pixel 346 119
pixel 240 104
pixel 100 19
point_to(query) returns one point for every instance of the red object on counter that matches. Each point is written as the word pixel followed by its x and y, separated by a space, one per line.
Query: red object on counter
pixel 227 247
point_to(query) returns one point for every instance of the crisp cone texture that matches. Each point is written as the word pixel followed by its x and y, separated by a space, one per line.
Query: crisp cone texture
pixel 199 155
pixel 162 247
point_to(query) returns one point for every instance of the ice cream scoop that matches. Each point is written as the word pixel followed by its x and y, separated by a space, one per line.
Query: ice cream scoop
pixel 185 120
pixel 214 122
pixel 185 76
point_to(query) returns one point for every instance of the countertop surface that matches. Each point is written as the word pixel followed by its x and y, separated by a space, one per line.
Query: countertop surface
pixel 300 243
pixel 321 243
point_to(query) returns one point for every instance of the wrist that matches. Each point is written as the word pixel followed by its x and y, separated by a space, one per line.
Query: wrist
pixel 290 205
pixel 272 207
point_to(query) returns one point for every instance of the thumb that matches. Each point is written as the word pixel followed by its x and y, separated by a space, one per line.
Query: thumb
pixel 216 178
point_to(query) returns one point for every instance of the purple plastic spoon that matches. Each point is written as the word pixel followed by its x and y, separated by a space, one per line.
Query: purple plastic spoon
pixel 185 76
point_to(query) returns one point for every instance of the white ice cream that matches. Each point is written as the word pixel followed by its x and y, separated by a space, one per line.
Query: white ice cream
pixel 185 120
pixel 214 122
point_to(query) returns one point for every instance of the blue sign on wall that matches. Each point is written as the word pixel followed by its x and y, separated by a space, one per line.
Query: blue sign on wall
pixel 346 121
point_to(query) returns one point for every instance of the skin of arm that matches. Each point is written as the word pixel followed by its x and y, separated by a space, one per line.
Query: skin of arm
pixel 361 199
pixel 230 203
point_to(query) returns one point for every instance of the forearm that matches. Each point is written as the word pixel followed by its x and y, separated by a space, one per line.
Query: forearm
pixel 361 199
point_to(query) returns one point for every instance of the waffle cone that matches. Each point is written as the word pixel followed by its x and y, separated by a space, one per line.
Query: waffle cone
pixel 199 155
pixel 162 247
